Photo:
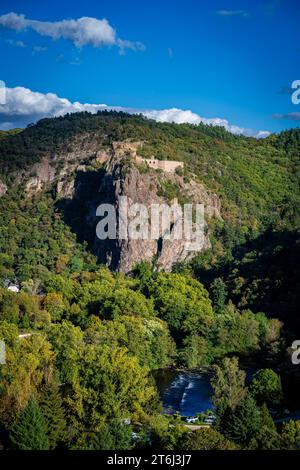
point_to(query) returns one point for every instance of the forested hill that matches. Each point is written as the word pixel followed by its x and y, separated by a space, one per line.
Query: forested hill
pixel 82 341
pixel 258 180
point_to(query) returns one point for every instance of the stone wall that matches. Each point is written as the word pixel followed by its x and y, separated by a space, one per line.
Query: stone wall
pixel 169 166
pixel 124 148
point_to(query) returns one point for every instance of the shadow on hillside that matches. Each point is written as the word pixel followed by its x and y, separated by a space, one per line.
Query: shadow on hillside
pixel 92 188
pixel 264 275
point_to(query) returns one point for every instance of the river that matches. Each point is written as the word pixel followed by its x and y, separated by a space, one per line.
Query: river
pixel 190 392
pixel 185 392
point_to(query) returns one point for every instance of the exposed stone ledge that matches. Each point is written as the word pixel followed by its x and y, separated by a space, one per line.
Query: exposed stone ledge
pixel 3 188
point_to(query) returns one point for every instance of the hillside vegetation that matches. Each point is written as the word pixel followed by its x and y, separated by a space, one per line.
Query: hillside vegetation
pixel 256 179
pixel 94 337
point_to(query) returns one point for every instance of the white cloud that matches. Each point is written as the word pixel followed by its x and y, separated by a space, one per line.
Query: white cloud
pixel 289 116
pixel 23 106
pixel 82 31
pixel 176 115
pixel 242 13
pixel 124 44
pixel 11 42
pixel 38 49
pixel 5 126
pixel 180 116
pixel 262 134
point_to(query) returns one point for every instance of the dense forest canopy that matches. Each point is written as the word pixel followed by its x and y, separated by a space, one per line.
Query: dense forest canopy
pixel 94 338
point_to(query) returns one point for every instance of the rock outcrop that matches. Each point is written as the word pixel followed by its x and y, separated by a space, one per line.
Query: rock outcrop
pixel 3 188
pixel 41 174
pixel 86 175
pixel 123 178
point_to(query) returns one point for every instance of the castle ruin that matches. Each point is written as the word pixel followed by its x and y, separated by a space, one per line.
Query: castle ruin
pixel 125 148
pixel 169 166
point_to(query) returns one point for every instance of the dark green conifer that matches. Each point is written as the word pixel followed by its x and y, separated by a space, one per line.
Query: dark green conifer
pixel 52 409
pixel 29 431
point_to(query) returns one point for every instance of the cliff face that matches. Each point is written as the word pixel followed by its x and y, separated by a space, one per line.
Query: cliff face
pixel 3 188
pixel 124 178
pixel 83 177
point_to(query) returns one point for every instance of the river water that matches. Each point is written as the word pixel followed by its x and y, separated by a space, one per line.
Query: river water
pixel 189 392
pixel 186 392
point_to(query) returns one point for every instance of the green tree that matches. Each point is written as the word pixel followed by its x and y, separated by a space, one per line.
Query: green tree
pixel 266 387
pixel 52 408
pixel 113 435
pixel 183 303
pixel 267 437
pixel 76 264
pixel 228 384
pixel 148 339
pixel 110 384
pixel 68 344
pixel 124 301
pixel 236 332
pixel 244 423
pixel 143 272
pixel 162 435
pixel 29 431
pixel 196 352
pixel 290 435
pixel 218 292
pixel 29 363
pixel 205 439
pixel 55 305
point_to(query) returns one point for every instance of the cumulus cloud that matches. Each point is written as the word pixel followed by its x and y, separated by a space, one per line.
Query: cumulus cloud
pixel 176 115
pixel 262 134
pixel 82 31
pixel 11 42
pixel 289 116
pixel 23 106
pixel 180 116
pixel 38 49
pixel 242 13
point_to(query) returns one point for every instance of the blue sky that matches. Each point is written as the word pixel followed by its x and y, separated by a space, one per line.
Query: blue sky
pixel 220 59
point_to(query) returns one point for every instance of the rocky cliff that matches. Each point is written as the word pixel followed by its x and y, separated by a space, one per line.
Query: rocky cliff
pixel 147 188
pixel 84 175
